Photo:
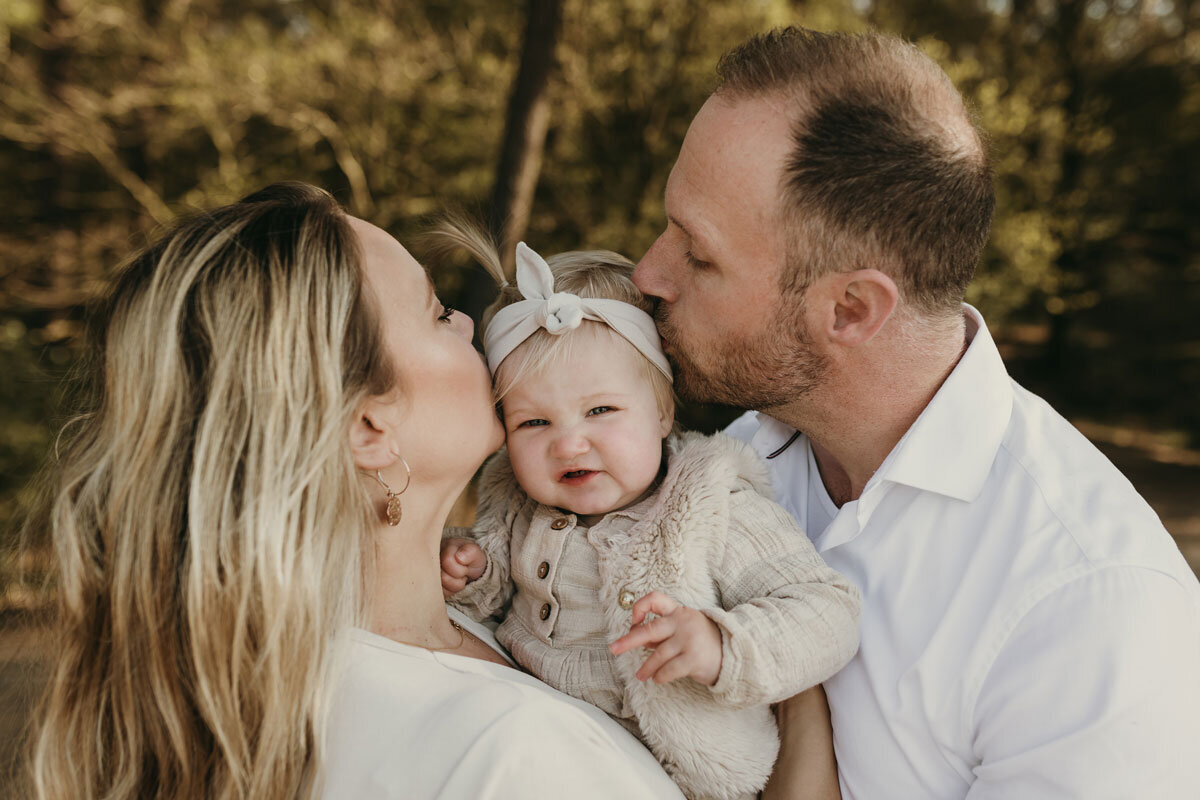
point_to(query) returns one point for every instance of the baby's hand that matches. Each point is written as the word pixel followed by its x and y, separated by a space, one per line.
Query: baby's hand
pixel 686 643
pixel 462 562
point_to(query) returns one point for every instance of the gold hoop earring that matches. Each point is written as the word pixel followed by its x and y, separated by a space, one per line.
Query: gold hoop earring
pixel 394 510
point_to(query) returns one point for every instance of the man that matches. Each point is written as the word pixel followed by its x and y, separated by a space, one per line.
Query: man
pixel 1029 628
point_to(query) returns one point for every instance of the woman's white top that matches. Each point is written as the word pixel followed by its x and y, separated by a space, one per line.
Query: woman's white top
pixel 416 724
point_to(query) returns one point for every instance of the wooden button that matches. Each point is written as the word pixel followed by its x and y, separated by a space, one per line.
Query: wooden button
pixel 543 569
pixel 624 599
pixel 545 612
pixel 559 523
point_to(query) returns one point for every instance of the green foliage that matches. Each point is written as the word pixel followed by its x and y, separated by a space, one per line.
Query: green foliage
pixel 117 115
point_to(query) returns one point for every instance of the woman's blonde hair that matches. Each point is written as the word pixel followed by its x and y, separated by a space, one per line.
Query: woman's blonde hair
pixel 209 525
pixel 597 274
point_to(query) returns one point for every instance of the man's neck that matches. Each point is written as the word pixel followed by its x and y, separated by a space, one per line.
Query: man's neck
pixel 854 423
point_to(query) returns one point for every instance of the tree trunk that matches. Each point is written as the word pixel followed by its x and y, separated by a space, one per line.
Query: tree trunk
pixel 520 159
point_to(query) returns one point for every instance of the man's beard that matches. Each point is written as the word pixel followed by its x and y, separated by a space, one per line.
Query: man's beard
pixel 772 369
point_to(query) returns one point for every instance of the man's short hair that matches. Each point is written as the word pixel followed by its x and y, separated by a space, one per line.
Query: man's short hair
pixel 887 168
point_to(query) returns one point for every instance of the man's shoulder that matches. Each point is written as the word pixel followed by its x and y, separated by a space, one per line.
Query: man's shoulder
pixel 1050 464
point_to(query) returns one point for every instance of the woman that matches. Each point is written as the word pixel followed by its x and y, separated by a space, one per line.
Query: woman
pixel 246 522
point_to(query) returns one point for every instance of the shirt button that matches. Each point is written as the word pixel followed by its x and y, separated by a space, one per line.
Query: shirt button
pixel 545 612
pixel 624 599
pixel 543 569
pixel 559 523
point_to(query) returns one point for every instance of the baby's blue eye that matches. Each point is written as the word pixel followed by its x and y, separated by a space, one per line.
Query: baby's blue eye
pixel 533 423
pixel 600 410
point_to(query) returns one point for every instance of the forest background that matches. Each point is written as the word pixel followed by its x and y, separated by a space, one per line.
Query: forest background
pixel 558 121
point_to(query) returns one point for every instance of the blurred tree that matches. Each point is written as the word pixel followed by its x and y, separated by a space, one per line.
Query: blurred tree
pixel 1094 111
pixel 520 160
pixel 525 127
pixel 116 115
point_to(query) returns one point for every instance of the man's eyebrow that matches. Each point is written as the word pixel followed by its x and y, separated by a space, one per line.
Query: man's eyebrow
pixel 696 233
pixel 680 225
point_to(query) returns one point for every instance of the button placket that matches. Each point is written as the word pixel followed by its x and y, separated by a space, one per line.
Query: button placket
pixel 549 549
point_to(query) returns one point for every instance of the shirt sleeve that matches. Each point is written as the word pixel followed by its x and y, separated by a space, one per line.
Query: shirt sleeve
pixel 1095 693
pixel 535 754
pixel 789 621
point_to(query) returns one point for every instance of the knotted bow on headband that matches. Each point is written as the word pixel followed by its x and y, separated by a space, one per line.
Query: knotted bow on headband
pixel 559 312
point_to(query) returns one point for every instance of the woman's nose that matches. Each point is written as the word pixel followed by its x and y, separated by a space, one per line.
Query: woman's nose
pixel 464 324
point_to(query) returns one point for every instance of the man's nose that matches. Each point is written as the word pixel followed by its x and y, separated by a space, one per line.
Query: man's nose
pixel 651 275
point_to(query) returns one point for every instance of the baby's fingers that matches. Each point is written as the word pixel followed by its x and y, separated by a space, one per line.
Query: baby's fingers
pixel 452 586
pixel 451 566
pixel 678 667
pixel 664 655
pixel 653 603
pixel 647 634
pixel 472 557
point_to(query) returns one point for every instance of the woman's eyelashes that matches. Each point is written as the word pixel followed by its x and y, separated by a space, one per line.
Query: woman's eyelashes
pixel 447 312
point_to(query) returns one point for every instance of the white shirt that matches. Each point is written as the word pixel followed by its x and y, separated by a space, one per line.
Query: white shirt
pixel 416 724
pixel 1029 628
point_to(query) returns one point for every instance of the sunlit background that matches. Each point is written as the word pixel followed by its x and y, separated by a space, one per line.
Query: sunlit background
pixel 117 116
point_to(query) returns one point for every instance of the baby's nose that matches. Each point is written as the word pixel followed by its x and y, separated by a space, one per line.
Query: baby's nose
pixel 570 443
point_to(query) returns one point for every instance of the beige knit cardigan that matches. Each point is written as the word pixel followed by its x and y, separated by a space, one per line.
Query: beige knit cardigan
pixel 711 540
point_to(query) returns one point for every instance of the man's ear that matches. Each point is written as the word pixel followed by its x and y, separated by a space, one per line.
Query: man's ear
pixel 862 301
pixel 373 436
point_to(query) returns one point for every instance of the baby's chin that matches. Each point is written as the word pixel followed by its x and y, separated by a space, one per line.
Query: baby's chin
pixel 580 509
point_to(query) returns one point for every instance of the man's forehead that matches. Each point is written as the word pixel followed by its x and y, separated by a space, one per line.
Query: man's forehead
pixel 730 165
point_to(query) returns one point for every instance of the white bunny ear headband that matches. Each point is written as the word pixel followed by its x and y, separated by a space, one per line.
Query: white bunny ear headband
pixel 559 312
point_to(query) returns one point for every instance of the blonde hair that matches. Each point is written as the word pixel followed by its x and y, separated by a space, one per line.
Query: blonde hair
pixel 209 524
pixel 595 274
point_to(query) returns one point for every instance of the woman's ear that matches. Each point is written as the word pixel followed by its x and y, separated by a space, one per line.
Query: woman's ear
pixel 373 440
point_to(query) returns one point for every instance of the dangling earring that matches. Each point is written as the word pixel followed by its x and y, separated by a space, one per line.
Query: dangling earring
pixel 394 511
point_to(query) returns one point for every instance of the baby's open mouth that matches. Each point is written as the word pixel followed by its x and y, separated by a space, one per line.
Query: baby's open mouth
pixel 575 474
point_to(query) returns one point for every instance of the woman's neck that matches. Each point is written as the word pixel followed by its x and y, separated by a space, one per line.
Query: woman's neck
pixel 405 601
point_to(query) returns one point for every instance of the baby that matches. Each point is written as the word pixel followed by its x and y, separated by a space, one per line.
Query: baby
pixel 642 570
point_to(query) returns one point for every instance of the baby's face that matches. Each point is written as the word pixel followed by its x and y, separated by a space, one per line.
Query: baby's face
pixel 586 436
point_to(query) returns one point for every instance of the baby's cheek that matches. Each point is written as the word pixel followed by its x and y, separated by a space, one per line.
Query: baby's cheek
pixel 521 467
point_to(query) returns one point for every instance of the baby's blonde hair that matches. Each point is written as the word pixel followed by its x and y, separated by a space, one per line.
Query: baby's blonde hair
pixel 590 274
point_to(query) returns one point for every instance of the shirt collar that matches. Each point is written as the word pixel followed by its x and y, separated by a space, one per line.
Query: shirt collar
pixel 952 445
